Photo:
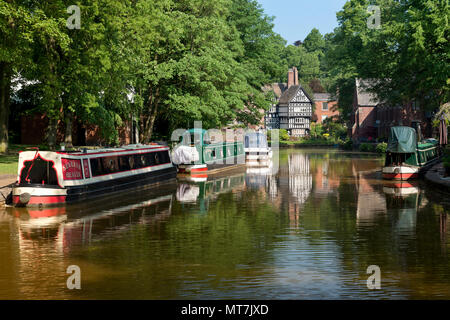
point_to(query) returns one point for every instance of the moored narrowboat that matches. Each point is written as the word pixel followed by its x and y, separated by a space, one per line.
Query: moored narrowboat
pixel 201 154
pixel 49 178
pixel 407 156
pixel 257 150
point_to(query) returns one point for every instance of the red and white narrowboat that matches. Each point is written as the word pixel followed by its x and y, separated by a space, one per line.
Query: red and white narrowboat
pixel 49 178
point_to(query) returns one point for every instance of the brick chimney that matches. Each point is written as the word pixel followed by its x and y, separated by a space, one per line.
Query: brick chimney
pixel 292 77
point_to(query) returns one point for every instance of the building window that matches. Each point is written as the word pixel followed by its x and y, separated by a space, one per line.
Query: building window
pixel 324 117
pixel 324 106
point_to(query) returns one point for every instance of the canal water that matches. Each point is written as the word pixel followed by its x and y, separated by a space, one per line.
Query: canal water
pixel 306 228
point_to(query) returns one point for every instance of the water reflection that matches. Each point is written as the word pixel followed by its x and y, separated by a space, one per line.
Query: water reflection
pixel 308 230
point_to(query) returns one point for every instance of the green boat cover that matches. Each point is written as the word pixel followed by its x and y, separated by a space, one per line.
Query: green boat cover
pixel 402 140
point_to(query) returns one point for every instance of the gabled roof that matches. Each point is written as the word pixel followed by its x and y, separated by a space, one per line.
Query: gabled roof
pixel 365 98
pixel 322 97
pixel 290 94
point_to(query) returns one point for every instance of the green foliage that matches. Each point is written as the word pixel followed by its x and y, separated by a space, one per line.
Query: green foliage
pixel 381 147
pixel 347 144
pixel 316 130
pixel 165 62
pixel 284 136
pixel 367 147
pixel 335 129
pixel 408 54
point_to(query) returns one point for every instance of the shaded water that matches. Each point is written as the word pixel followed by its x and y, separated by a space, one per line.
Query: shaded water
pixel 308 231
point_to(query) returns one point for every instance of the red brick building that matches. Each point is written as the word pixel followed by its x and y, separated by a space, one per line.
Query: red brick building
pixel 33 130
pixel 371 119
pixel 325 107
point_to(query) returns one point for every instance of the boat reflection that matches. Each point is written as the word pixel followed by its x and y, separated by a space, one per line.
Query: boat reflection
pixel 403 201
pixel 192 190
pixel 78 224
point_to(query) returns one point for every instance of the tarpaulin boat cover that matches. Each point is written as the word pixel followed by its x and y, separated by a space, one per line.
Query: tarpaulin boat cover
pixel 402 140
pixel 185 155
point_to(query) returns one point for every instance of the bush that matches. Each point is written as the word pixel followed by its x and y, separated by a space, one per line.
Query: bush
pixel 367 147
pixel 284 136
pixel 381 147
pixel 347 145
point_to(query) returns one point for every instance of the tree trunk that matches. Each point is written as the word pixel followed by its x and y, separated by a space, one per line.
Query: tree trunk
pixel 68 134
pixel 149 125
pixel 51 133
pixel 150 121
pixel 5 89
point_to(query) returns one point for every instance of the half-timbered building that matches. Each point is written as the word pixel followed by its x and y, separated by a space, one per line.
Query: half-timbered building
pixel 293 111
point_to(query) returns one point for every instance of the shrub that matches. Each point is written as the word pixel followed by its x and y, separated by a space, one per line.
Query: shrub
pixel 347 145
pixel 284 136
pixel 316 130
pixel 367 147
pixel 381 147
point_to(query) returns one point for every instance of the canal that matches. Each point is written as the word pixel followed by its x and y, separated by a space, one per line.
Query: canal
pixel 308 230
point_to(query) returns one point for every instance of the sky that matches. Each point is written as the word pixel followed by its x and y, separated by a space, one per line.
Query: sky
pixel 294 19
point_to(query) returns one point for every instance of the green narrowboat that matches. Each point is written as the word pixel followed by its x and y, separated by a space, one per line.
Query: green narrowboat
pixel 407 156
pixel 198 153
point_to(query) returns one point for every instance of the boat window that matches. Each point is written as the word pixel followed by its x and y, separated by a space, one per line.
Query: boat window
pixel 114 164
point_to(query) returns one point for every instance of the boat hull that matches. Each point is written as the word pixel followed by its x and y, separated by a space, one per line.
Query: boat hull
pixel 38 195
pixel 401 173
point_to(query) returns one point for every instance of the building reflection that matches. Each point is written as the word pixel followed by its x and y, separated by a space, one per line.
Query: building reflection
pixel 371 203
pixel 287 188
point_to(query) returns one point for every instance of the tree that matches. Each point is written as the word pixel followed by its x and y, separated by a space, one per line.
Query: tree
pixel 314 41
pixel 20 23
pixel 408 55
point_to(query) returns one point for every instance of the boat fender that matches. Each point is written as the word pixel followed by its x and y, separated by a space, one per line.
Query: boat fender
pixel 24 198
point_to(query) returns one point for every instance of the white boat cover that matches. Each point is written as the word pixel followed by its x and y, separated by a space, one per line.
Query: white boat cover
pixel 185 155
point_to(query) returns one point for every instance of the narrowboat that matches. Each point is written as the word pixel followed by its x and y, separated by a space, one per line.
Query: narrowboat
pixel 199 154
pixel 257 150
pixel 407 156
pixel 51 178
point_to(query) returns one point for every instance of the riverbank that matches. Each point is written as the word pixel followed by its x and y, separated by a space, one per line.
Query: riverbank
pixel 5 182
pixel 436 176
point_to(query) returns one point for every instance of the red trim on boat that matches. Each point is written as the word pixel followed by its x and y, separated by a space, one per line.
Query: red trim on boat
pixel 204 175
pixel 112 151
pixel 400 176
pixel 199 169
pixel 41 199
pixel 403 185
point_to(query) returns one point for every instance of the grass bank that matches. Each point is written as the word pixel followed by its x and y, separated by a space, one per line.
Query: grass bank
pixel 8 160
